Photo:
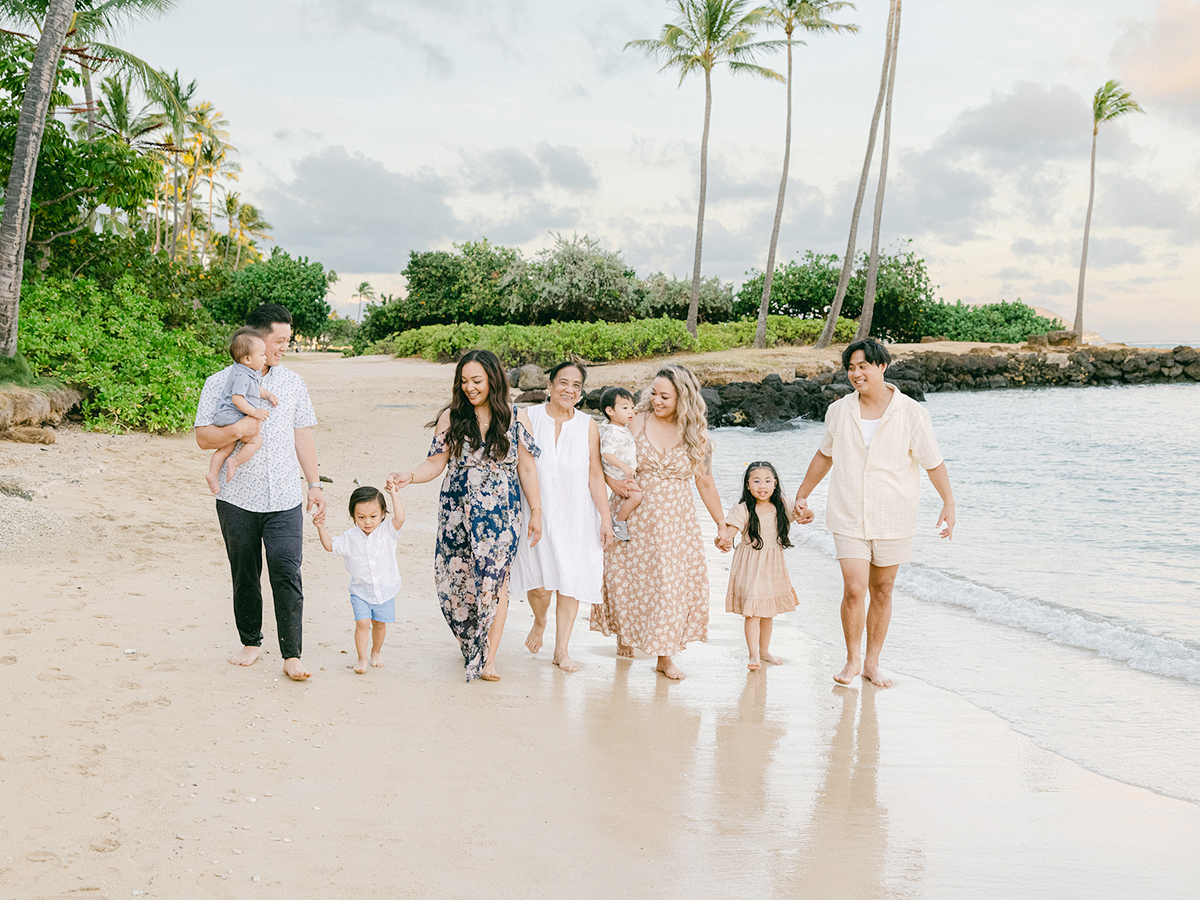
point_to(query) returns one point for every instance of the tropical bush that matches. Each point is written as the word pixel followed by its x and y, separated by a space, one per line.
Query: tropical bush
pixel 659 296
pixel 573 281
pixel 135 371
pixel 594 341
pixel 999 323
pixel 297 284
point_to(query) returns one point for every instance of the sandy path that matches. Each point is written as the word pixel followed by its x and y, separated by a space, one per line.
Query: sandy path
pixel 168 772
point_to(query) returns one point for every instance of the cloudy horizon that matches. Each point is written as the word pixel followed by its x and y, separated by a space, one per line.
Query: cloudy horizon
pixel 367 130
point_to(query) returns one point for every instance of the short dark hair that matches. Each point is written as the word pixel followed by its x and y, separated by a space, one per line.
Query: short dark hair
pixel 553 371
pixel 267 315
pixel 366 494
pixel 873 352
pixel 241 344
pixel 608 400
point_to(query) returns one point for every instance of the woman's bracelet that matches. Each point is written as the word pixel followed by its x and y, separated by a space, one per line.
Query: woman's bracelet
pixel 534 509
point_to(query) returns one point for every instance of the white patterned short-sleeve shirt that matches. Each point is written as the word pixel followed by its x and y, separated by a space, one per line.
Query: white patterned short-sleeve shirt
pixel 270 481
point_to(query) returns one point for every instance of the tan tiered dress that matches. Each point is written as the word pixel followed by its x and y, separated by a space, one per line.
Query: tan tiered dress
pixel 758 579
pixel 656 584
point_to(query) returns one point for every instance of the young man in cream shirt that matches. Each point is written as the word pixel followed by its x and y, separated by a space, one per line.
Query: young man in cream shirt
pixel 876 442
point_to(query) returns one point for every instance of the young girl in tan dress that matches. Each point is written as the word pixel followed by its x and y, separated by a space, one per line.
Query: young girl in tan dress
pixel 759 587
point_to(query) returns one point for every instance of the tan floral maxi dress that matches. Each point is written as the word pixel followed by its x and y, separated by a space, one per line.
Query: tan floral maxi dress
pixel 656 583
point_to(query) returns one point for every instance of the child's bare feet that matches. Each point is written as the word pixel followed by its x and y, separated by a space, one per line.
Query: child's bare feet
pixel 214 482
pixel 360 667
pixel 231 468
pixel 377 660
pixel 754 665
pixel 247 656
pixel 770 658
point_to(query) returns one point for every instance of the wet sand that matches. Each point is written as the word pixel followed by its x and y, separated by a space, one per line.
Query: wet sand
pixel 168 772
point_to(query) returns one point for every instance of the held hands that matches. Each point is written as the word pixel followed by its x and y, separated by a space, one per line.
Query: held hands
pixel 398 481
pixel 316 503
pixel 724 543
pixel 801 514
pixel 624 488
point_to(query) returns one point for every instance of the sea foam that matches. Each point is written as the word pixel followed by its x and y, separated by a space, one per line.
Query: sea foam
pixel 1064 625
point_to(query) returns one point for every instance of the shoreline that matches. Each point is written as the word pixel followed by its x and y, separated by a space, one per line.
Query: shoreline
pixel 170 772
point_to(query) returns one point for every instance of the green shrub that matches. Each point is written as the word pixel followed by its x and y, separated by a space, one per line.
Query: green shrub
pixel 596 342
pixel 995 323
pixel 659 296
pixel 297 284
pixel 113 345
pixel 573 281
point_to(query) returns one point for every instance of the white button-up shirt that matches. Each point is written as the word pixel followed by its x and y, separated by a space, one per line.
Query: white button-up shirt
pixel 873 492
pixel 371 561
pixel 270 481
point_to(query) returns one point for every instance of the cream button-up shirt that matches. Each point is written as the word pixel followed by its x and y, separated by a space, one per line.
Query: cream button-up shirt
pixel 873 493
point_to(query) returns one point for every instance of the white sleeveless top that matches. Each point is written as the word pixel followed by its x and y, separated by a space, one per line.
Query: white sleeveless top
pixel 568 558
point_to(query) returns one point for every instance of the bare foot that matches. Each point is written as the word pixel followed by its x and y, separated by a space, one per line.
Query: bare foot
pixel 214 483
pixel 295 670
pixel 877 676
pixel 377 660
pixel 754 665
pixel 624 652
pixel 667 666
pixel 770 658
pixel 565 663
pixel 489 674
pixel 360 667
pixel 533 642
pixel 247 656
pixel 231 468
pixel 848 672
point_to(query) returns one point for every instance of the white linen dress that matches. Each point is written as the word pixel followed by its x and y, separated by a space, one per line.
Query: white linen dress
pixel 568 558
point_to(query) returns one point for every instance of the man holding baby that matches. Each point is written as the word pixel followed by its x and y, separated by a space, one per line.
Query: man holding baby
pixel 262 506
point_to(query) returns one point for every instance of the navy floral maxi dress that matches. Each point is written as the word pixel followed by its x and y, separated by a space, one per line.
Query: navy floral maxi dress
pixel 479 527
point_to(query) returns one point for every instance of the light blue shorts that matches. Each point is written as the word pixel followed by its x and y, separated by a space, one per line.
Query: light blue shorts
pixel 380 612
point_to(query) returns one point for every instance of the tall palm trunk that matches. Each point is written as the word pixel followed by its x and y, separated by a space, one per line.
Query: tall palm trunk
pixel 694 302
pixel 760 333
pixel 175 183
pixel 208 234
pixel 187 210
pixel 1087 229
pixel 86 72
pixel 839 296
pixel 19 193
pixel 225 260
pixel 868 310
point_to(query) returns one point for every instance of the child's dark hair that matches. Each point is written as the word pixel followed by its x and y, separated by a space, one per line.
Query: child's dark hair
pixel 241 344
pixel 608 400
pixel 366 494
pixel 782 521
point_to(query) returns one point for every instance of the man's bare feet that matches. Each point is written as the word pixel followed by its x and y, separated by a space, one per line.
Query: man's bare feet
pixel 848 672
pixel 877 676
pixel 624 652
pixel 770 658
pixel 247 656
pixel 533 642
pixel 295 670
pixel 377 660
pixel 667 666
pixel 754 665
pixel 360 667
pixel 565 663
pixel 214 482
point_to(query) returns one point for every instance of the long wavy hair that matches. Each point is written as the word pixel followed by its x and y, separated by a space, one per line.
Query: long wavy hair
pixel 691 412
pixel 464 425
pixel 783 523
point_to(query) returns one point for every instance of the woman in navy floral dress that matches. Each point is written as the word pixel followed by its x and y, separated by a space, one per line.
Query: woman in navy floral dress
pixel 479 518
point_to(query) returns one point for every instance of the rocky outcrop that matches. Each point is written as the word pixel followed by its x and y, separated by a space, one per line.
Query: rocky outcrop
pixel 23 412
pixel 771 403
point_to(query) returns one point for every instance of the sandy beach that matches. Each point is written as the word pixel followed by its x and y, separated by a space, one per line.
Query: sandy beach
pixel 134 761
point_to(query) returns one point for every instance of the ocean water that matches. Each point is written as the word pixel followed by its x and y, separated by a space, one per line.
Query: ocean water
pixel 1068 602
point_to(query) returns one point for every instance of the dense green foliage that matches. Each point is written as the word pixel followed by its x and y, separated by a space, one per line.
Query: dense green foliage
pixel 573 281
pixel 595 341
pixel 15 370
pixel 1002 323
pixel 113 345
pixel 297 284
pixel 659 295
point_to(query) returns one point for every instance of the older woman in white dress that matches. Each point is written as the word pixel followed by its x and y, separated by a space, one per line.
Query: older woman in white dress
pixel 576 528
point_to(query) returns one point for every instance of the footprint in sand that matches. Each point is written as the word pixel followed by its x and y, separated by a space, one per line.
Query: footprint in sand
pixel 43 856
pixel 8 660
pixel 55 675
pixel 108 845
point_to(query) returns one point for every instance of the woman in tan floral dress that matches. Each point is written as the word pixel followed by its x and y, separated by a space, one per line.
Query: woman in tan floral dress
pixel 656 584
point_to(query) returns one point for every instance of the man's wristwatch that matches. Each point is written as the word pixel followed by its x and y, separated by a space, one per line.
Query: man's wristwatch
pixel 314 484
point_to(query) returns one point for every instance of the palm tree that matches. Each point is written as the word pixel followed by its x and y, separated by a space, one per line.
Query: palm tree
pixel 213 162
pixel 1109 103
pixel 790 15
pixel 251 224
pixel 19 192
pixel 233 203
pixel 175 111
pixel 115 113
pixel 706 34
pixel 364 290
pixel 835 308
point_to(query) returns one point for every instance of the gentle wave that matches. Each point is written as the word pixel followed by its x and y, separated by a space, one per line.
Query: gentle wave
pixel 1138 649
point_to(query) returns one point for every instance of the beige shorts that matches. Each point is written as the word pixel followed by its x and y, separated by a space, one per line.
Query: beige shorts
pixel 881 552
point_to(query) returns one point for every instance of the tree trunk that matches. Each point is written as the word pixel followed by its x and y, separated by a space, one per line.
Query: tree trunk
pixel 86 72
pixel 174 248
pixel 868 310
pixel 839 296
pixel 1087 230
pixel 19 193
pixel 694 302
pixel 760 333
pixel 187 210
pixel 208 234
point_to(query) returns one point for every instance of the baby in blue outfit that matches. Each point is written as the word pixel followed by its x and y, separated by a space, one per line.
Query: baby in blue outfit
pixel 244 395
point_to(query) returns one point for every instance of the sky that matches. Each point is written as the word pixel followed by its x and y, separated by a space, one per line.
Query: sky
pixel 369 129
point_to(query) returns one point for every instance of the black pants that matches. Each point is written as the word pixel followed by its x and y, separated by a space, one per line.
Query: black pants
pixel 282 535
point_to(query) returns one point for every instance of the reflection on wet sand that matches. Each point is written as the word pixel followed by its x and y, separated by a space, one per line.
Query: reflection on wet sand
pixel 843 847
